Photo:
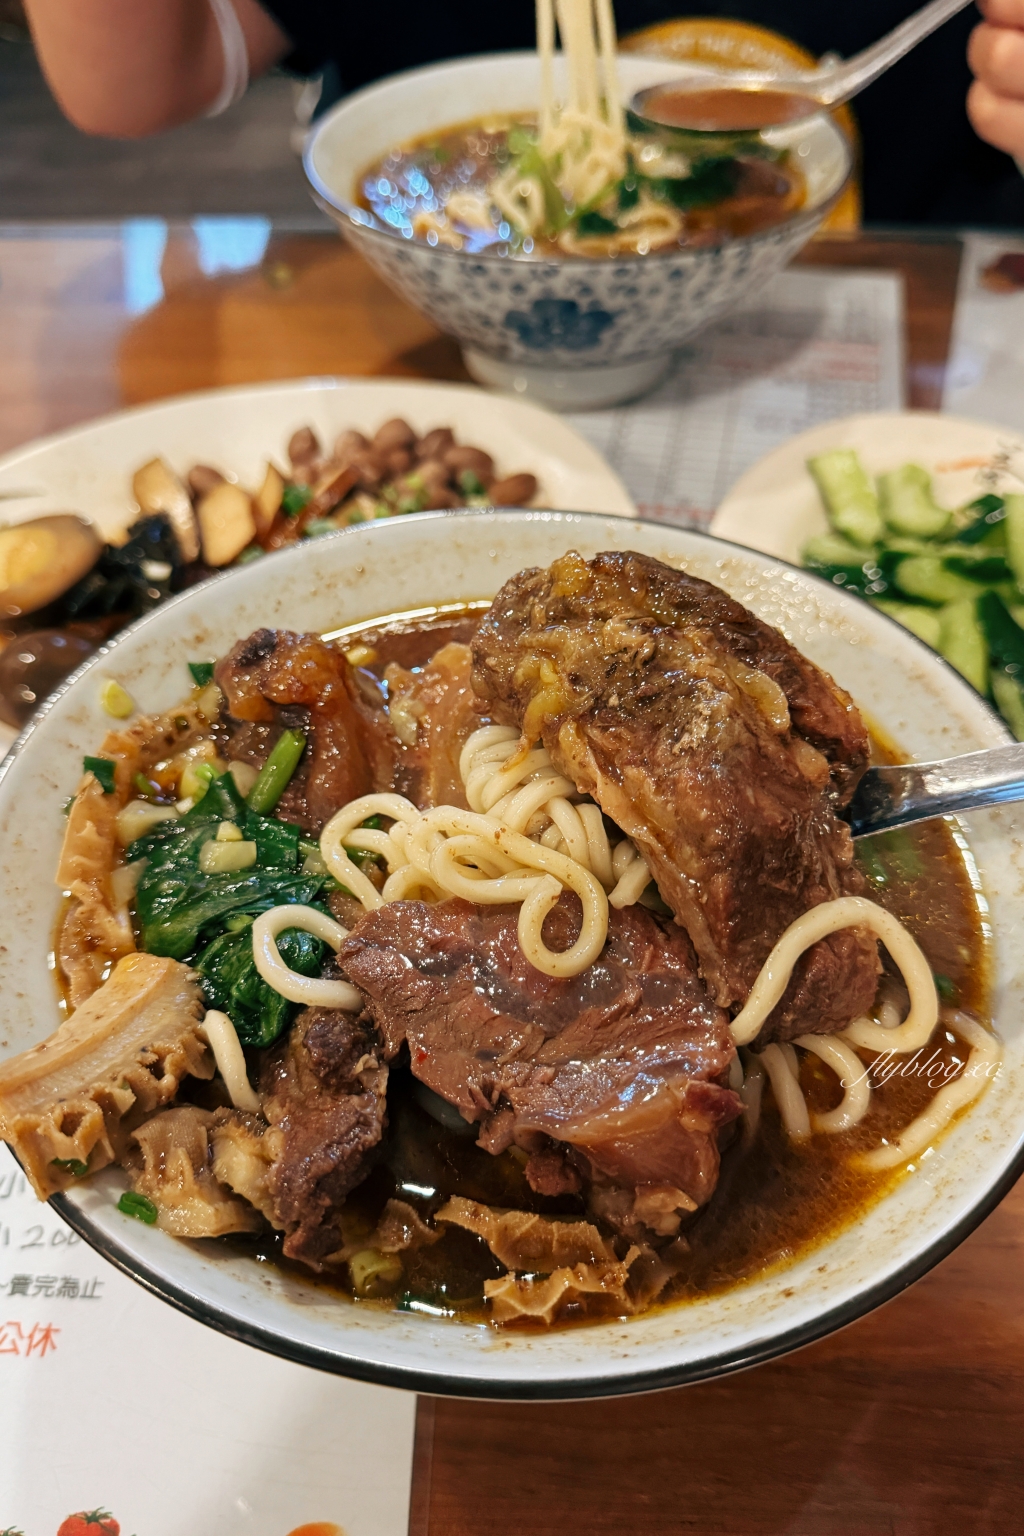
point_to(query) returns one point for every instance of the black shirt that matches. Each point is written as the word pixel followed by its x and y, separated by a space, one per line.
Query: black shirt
pixel 922 161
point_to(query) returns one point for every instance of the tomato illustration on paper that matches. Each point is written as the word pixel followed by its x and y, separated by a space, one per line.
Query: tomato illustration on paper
pixel 93 1522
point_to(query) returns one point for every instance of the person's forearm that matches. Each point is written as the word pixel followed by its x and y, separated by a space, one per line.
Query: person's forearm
pixel 125 68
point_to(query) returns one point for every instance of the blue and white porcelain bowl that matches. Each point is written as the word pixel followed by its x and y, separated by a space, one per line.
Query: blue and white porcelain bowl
pixel 571 331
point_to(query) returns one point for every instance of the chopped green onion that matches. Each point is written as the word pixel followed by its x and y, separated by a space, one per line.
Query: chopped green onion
pixel 374 1273
pixel 276 772
pixel 74 1165
pixel 318 526
pixel 102 770
pixel 146 788
pixel 139 1206
pixel 196 779
pixel 469 480
pixel 202 672
pixel 294 498
pixel 946 988
pixel 254 552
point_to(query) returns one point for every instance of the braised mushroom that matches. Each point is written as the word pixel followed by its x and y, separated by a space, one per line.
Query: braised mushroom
pixel 41 559
pixel 32 666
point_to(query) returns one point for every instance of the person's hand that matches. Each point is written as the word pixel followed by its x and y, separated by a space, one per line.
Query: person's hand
pixel 995 102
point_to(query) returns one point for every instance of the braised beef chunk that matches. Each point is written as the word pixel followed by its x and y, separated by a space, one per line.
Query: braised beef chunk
pixel 277 680
pixel 713 743
pixel 434 711
pixel 620 1067
pixel 325 1098
pixel 412 642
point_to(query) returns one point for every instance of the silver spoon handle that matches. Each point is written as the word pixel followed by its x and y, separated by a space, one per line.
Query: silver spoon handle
pixel 897 796
pixel 837 85
pixel 832 84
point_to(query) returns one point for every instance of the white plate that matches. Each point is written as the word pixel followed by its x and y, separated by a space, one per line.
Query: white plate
pixel 776 506
pixel 406 563
pixel 89 468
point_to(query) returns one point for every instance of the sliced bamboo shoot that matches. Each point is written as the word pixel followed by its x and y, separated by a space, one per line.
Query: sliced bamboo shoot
pixel 226 523
pixel 267 502
pixel 157 489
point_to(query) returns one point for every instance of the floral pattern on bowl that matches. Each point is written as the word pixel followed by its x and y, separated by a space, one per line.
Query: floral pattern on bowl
pixel 553 323
pixel 579 312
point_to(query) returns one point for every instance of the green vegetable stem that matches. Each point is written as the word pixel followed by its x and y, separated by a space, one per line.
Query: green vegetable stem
pixel 276 772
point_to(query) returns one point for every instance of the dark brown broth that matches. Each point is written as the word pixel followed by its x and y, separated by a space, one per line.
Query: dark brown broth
pixel 726 109
pixel 420 176
pixel 776 1200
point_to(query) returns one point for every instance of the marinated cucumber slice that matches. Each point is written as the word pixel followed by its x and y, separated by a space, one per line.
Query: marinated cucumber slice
pixel 907 505
pixel 978 561
pixel 839 561
pixel 925 623
pixel 927 577
pixel 984 523
pixel 851 501
pixel 1015 537
pixel 1005 636
pixel 1009 697
pixel 963 643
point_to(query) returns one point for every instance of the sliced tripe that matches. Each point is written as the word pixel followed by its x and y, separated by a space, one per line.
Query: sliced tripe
pixel 178 1175
pixel 96 928
pixel 76 1098
pixel 244 1150
pixel 94 931
pixel 556 1262
pixel 399 1229
pixel 540 1298
pixel 522 1240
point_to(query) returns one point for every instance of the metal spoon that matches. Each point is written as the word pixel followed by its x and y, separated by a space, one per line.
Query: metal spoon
pixel 827 86
pixel 908 792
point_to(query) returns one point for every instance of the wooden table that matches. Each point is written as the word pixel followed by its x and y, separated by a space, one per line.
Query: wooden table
pixel 906 1424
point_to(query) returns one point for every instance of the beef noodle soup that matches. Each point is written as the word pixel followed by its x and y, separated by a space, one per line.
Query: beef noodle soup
pixel 583 177
pixel 419 960
pixel 467 189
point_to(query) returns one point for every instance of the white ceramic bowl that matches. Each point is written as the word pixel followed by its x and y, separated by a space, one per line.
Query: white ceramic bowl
pixel 409 563
pixel 574 332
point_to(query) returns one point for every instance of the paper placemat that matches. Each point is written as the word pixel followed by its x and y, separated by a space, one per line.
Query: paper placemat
pixel 815 344
pixel 985 373
pixel 113 1400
